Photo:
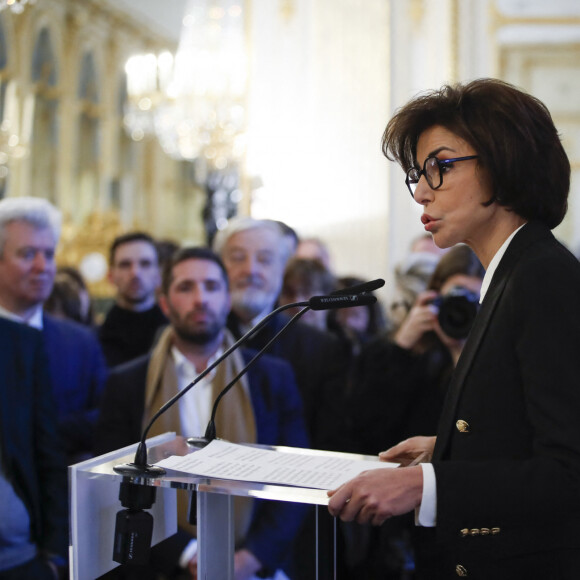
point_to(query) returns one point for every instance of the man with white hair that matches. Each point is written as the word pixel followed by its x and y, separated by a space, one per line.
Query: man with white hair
pixel 255 253
pixel 29 233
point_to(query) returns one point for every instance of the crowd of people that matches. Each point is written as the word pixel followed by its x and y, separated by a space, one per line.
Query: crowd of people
pixel 361 379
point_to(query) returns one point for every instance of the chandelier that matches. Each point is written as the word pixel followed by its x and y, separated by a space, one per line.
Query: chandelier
pixel 10 148
pixel 17 6
pixel 194 102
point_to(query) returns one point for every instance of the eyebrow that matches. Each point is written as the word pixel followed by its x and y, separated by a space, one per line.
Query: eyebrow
pixel 439 149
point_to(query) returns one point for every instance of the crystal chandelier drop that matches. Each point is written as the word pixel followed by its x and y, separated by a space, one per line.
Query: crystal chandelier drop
pixel 10 148
pixel 195 102
pixel 17 6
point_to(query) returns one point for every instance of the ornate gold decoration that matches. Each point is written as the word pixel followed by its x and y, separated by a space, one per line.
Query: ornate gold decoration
pixel 92 238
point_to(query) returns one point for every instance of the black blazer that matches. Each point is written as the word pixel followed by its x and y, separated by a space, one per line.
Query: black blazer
pixel 30 448
pixel 507 457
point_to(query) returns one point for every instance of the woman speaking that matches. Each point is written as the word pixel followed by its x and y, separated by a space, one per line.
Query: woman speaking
pixel 499 495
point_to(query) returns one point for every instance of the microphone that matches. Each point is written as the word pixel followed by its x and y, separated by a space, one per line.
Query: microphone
pixel 340 301
pixel 139 466
pixel 362 288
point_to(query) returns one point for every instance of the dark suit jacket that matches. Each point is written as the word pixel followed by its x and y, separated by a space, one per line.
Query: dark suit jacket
pixel 320 368
pixel 279 421
pixel 30 449
pixel 78 373
pixel 508 478
pixel 127 334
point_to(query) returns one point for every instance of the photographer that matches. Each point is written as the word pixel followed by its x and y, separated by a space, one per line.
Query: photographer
pixel 431 319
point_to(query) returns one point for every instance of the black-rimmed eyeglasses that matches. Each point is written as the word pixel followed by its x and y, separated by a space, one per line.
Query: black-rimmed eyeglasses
pixel 433 169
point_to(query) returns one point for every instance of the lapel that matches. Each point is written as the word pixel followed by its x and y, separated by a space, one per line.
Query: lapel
pixel 14 387
pixel 529 234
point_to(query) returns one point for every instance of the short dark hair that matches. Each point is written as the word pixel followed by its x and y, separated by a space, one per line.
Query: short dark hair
pixel 191 253
pixel 459 260
pixel 512 132
pixel 128 238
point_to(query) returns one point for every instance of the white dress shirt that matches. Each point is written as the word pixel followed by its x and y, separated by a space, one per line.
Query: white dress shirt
pixel 195 407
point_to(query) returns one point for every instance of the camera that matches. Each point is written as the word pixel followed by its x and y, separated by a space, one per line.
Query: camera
pixel 457 311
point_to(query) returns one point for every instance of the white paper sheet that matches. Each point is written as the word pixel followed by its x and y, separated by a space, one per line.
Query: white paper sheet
pixel 223 460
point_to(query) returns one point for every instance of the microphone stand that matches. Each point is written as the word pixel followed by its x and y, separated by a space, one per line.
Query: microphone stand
pixel 315 303
pixel 210 432
pixel 140 467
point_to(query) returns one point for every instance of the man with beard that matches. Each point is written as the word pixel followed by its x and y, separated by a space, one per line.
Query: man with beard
pixel 264 407
pixel 255 253
pixel 29 233
pixel 131 325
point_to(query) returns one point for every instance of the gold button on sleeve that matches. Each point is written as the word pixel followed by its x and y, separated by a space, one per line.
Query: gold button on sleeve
pixel 461 570
pixel 462 426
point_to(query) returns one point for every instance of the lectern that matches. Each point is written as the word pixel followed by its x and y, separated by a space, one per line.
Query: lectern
pixel 94 492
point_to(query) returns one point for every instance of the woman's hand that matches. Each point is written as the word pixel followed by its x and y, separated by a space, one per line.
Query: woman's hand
pixel 413 450
pixel 377 495
pixel 422 318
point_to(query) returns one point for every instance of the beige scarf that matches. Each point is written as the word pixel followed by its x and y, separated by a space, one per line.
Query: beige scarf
pixel 234 421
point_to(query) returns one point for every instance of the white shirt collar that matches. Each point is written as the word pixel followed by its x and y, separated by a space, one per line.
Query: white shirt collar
pixel 494 264
pixel 35 321
pixel 184 364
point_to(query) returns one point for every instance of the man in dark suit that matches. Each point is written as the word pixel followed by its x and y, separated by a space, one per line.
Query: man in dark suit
pixel 132 324
pixel 500 496
pixel 29 233
pixel 264 407
pixel 255 253
pixel 33 481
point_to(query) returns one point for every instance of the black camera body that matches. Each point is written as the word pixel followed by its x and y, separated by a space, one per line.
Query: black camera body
pixel 457 311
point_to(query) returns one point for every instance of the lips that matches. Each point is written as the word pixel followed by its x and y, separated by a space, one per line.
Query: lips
pixel 428 222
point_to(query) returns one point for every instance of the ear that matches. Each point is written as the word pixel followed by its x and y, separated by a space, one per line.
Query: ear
pixel 162 300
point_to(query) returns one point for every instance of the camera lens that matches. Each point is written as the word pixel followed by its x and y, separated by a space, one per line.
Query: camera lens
pixel 457 311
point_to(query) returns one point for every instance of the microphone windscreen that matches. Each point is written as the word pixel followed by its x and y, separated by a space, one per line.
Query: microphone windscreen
pixel 340 301
pixel 360 288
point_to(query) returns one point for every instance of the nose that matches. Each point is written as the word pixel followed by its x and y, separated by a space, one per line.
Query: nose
pixel 199 295
pixel 423 193
pixel 252 264
pixel 40 261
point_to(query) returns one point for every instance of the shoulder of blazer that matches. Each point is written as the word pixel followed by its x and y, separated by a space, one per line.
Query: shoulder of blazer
pixel 530 234
pixel 53 325
pixel 133 371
